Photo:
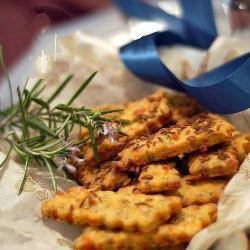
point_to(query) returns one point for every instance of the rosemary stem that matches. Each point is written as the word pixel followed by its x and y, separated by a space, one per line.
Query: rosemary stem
pixel 24 176
pixel 6 75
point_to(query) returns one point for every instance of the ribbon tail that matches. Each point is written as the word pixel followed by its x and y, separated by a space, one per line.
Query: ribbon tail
pixel 224 90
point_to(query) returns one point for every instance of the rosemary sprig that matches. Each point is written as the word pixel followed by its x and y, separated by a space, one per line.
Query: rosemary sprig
pixel 40 133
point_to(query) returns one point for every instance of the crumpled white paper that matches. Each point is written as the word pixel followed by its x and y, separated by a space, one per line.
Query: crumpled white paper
pixel 233 210
pixel 21 225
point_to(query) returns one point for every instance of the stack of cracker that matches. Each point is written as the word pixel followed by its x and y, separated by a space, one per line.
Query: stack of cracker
pixel 163 164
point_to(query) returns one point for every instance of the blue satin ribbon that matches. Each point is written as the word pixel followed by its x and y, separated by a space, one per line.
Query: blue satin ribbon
pixel 224 90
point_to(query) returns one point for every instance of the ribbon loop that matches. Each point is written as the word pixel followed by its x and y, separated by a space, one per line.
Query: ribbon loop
pixel 141 57
pixel 224 90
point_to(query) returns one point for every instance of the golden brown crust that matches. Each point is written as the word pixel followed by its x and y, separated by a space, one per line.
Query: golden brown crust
pixel 154 207
pixel 129 189
pixel 156 178
pixel 103 177
pixel 223 161
pixel 192 191
pixel 241 145
pixel 215 163
pixel 96 239
pixel 107 148
pixel 112 210
pixel 170 236
pixel 153 178
pixel 197 133
pixel 146 115
pixel 143 116
pixel 186 224
pixel 199 192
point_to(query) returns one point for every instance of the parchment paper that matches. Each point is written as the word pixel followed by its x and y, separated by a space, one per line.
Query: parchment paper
pixel 21 226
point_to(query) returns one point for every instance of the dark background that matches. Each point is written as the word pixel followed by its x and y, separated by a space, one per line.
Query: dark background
pixel 22 20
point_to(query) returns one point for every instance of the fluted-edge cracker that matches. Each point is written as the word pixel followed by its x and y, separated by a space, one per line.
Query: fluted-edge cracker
pixel 197 133
pixel 142 116
pixel 129 212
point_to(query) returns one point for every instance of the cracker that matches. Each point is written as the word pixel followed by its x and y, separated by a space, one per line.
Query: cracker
pixel 241 145
pixel 112 210
pixel 142 117
pixel 112 240
pixel 186 224
pixel 170 236
pixel 200 192
pixel 223 161
pixel 107 148
pixel 102 177
pixel 96 239
pixel 156 178
pixel 192 191
pixel 197 133
pixel 219 162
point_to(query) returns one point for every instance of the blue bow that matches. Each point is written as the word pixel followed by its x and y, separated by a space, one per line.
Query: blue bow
pixel 224 90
